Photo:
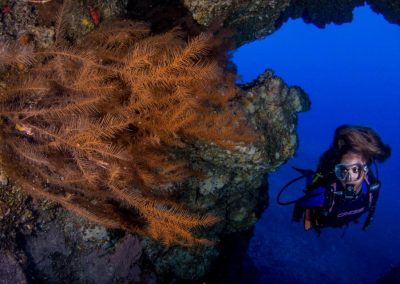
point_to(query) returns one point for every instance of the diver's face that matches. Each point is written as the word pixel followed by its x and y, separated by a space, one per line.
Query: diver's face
pixel 351 170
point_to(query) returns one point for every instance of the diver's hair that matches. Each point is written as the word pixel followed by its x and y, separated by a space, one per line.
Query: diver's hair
pixel 362 140
pixel 352 139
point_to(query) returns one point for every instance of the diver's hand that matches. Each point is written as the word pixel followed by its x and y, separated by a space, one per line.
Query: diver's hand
pixel 366 225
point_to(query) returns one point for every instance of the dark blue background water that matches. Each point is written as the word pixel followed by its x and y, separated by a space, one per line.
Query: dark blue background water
pixel 351 73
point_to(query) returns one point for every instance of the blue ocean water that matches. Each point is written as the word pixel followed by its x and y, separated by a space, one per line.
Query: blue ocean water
pixel 350 72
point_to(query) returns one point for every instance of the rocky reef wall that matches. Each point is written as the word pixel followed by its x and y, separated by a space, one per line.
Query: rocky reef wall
pixel 255 19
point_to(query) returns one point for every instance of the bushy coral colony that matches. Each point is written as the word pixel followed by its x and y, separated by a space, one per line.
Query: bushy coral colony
pixel 92 126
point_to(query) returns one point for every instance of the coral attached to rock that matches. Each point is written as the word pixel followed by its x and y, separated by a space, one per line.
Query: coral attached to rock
pixel 95 126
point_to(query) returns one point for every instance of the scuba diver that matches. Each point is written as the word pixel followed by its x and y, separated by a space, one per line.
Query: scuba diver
pixel 344 187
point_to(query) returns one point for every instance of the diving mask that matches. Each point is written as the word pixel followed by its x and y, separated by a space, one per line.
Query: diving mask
pixel 350 172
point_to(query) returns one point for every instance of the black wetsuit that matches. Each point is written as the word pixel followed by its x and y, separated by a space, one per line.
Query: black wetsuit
pixel 329 209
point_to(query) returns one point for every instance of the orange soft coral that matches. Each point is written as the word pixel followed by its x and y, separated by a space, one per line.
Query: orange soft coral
pixel 91 126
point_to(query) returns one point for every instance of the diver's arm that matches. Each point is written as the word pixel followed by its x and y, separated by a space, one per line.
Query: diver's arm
pixel 369 219
pixel 374 188
pixel 371 212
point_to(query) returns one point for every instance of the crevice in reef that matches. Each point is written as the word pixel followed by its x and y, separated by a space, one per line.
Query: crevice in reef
pixel 163 15
pixel 233 264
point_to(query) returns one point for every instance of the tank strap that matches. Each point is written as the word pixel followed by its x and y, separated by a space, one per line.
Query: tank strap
pixel 333 190
pixel 370 193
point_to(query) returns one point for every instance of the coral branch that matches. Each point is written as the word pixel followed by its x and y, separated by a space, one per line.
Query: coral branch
pixel 93 126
